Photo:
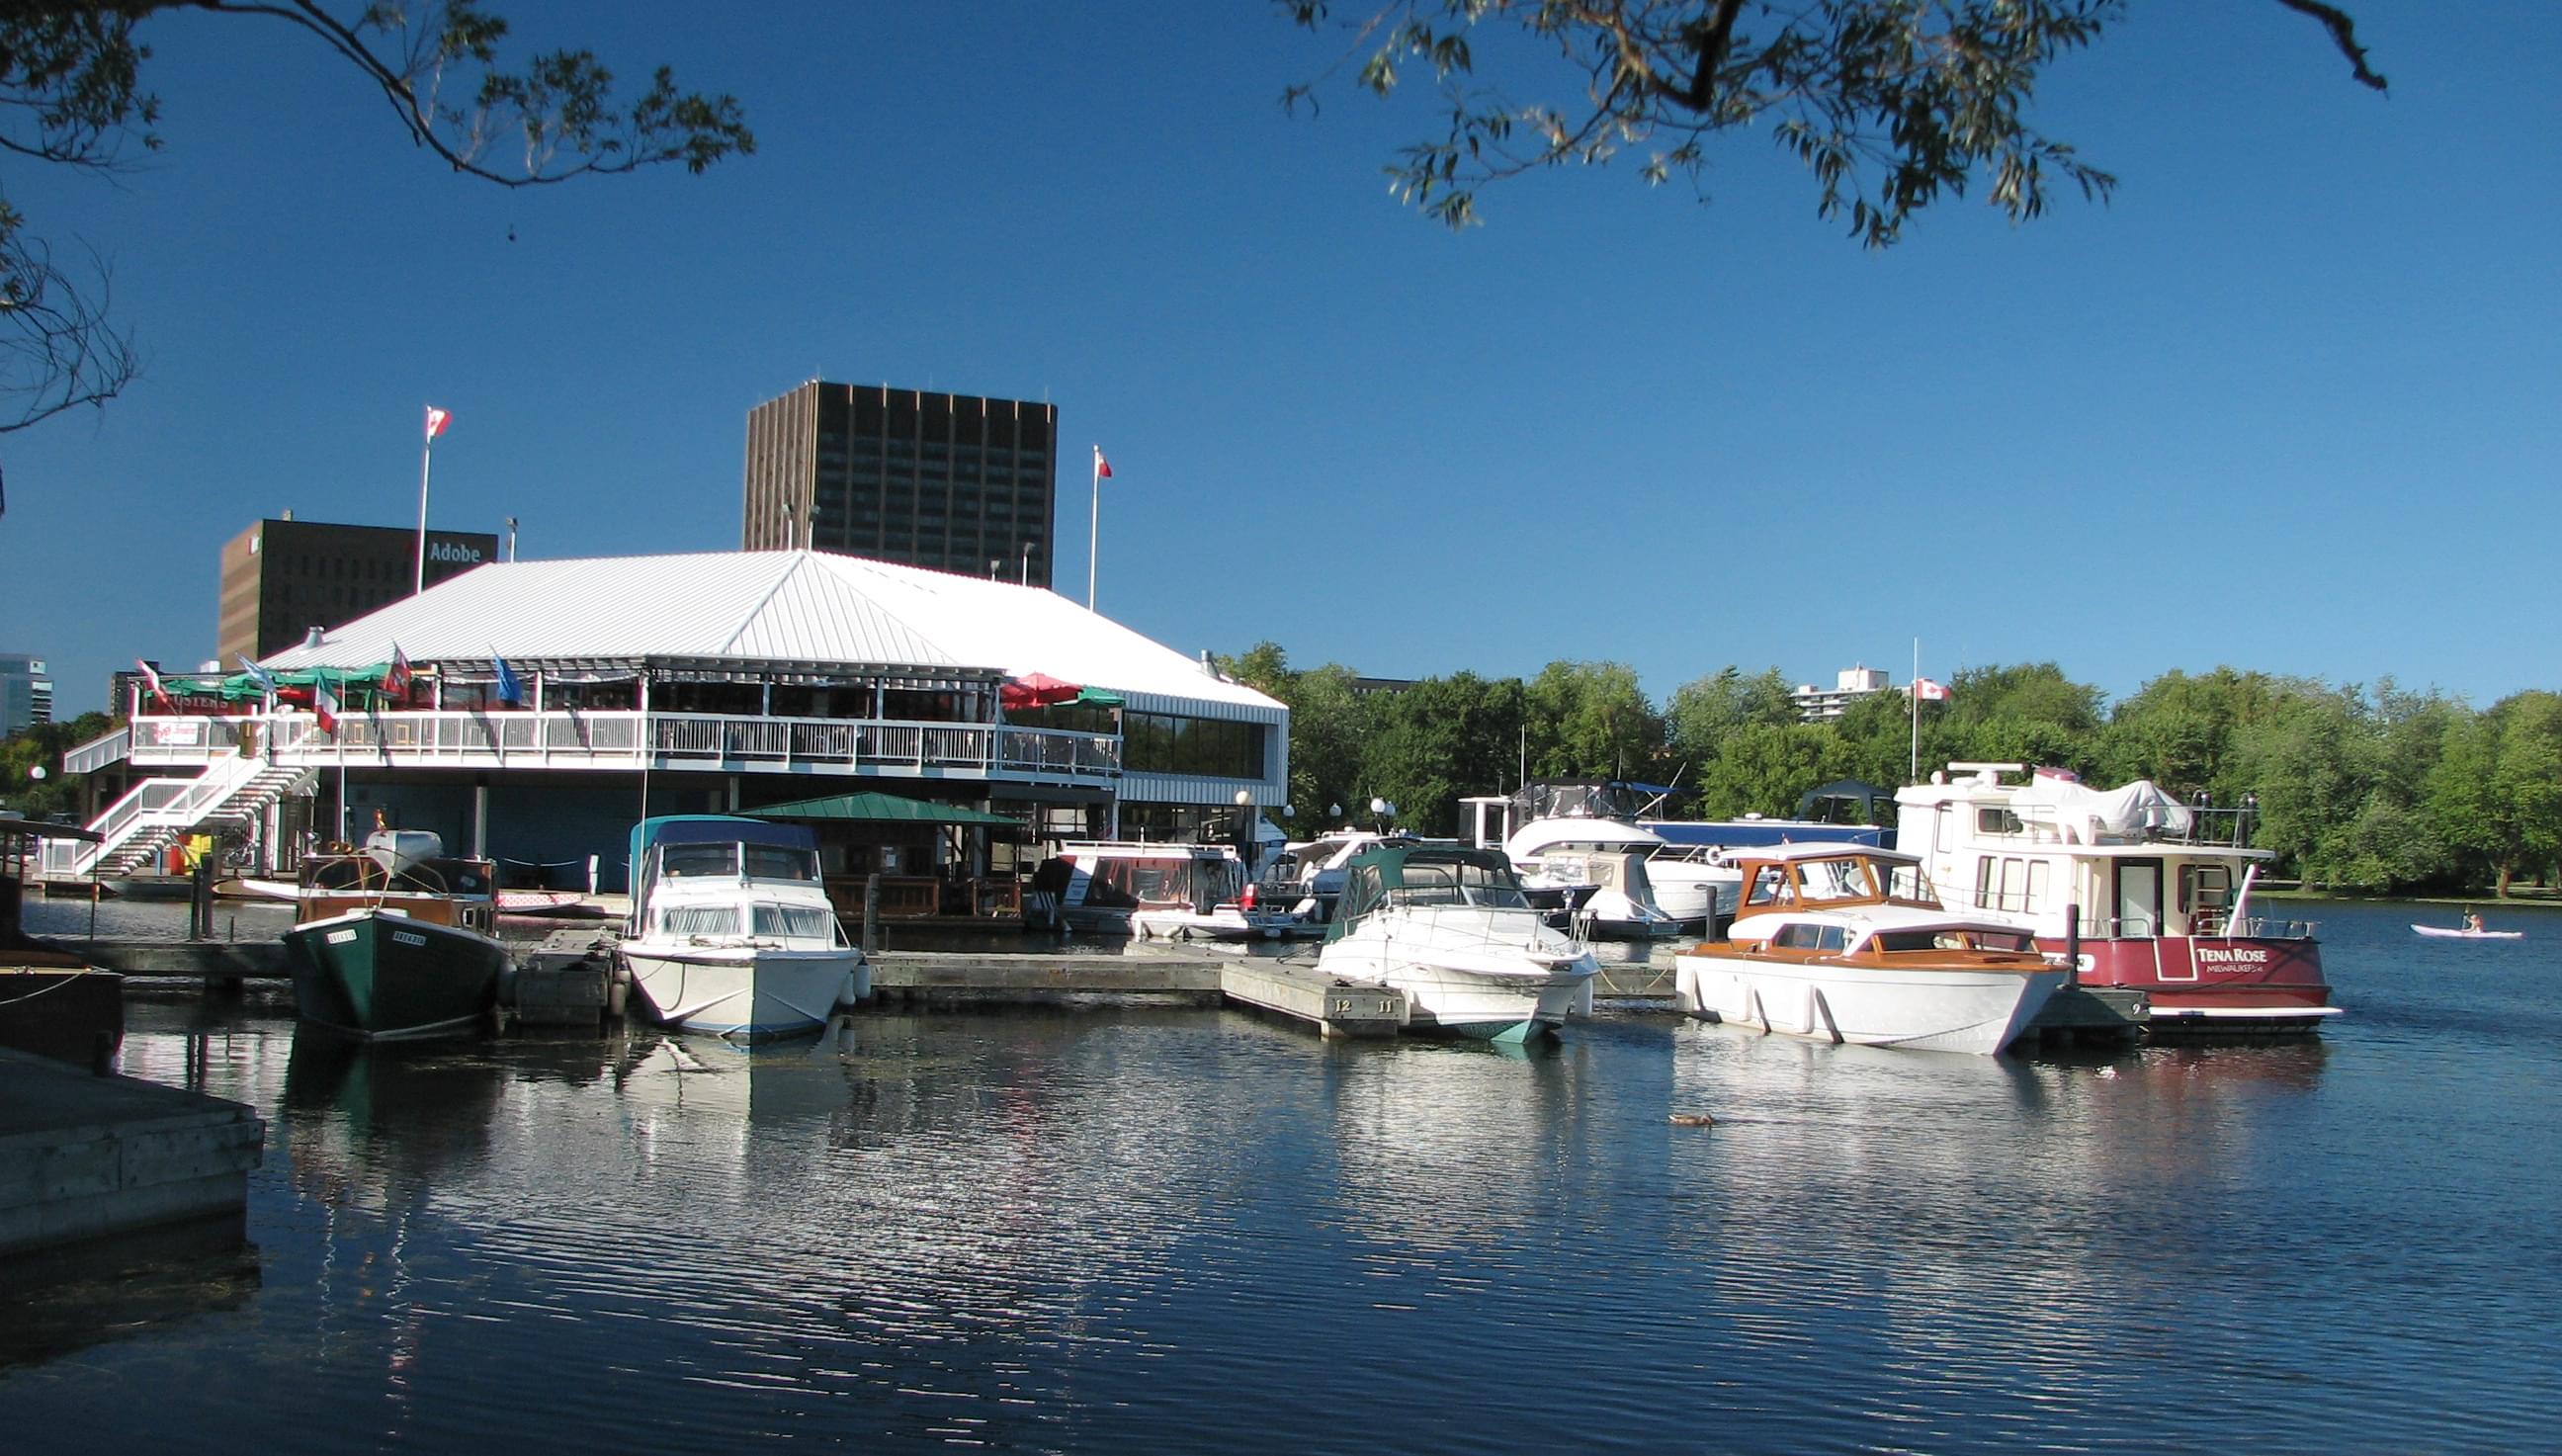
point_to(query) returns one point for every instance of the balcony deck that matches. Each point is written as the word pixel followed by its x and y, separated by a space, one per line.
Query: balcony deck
pixel 657 742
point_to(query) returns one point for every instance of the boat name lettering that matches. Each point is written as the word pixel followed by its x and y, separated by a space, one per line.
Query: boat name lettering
pixel 408 937
pixel 2211 957
pixel 341 936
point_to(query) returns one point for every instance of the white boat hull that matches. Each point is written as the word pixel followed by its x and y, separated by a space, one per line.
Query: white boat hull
pixel 745 993
pixel 1980 1011
pixel 1468 974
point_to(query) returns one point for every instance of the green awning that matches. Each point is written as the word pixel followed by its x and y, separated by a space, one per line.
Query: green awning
pixel 877 808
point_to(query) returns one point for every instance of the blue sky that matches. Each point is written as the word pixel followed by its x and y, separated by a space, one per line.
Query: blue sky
pixel 2290 402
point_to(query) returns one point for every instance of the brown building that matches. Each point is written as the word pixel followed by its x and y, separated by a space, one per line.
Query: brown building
pixel 284 577
pixel 947 481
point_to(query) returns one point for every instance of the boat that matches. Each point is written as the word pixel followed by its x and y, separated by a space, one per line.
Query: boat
pixel 1848 943
pixel 1576 843
pixel 1160 890
pixel 2142 892
pixel 1450 927
pixel 1306 879
pixel 1694 873
pixel 731 932
pixel 395 939
pixel 2446 932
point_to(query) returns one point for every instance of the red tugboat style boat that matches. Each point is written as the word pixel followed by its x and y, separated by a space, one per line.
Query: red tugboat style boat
pixel 2147 893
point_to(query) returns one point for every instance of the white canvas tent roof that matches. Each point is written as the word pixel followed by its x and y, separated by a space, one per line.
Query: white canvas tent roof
pixel 806 608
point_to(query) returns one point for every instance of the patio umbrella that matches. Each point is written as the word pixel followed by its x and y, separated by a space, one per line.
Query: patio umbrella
pixel 1036 690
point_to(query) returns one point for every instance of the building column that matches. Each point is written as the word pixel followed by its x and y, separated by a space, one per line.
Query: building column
pixel 480 818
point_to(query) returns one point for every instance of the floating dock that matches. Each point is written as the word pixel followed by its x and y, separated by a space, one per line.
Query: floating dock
pixel 1337 1008
pixel 84 1156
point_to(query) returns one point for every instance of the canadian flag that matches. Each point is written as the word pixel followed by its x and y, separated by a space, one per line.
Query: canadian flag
pixel 436 421
pixel 325 704
pixel 1924 691
pixel 1102 466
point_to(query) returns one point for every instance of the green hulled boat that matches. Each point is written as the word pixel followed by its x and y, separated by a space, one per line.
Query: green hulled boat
pixel 396 940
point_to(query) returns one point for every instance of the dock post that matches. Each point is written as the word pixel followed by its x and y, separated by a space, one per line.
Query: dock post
pixel 871 914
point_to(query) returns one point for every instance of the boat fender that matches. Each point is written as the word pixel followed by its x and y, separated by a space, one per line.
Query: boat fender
pixel 1693 1120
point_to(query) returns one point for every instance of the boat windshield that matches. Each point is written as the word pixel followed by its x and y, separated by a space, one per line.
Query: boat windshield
pixel 681 921
pixel 762 862
pixel 800 921
pixel 1825 882
pixel 1459 883
pixel 1949 940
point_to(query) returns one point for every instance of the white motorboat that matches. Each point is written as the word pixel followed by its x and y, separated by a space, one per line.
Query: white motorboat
pixel 1847 944
pixel 1451 928
pixel 1579 840
pixel 1157 890
pixel 731 932
pixel 1306 879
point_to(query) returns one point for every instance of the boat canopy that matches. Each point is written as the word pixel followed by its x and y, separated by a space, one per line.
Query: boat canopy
pixel 2082 815
pixel 1425 874
pixel 711 829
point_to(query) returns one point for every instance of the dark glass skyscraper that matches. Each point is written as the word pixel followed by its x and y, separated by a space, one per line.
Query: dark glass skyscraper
pixel 948 481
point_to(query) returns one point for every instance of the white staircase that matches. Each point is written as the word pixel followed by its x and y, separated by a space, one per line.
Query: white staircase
pixel 136 829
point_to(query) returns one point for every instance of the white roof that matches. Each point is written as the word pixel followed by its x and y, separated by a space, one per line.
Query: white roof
pixel 807 608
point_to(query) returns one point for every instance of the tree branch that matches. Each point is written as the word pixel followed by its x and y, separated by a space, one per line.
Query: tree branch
pixel 2343 34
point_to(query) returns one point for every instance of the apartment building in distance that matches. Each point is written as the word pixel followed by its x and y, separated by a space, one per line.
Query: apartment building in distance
pixel 26 692
pixel 950 482
pixel 284 577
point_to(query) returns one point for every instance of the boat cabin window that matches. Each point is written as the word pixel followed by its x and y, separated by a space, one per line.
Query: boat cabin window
pixel 1821 880
pixel 678 861
pixel 2006 882
pixel 1769 887
pixel 688 920
pixel 1907 882
pixel 802 922
pixel 1810 938
pixel 2206 893
pixel 1948 940
pixel 1998 822
pixel 1460 882
pixel 780 862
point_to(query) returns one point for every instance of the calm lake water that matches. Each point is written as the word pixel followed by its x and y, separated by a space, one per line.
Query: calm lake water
pixel 1120 1228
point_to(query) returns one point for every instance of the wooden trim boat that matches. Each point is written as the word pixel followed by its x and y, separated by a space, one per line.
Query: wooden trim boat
pixel 1846 943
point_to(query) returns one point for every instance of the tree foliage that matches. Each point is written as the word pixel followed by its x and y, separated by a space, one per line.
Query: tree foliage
pixel 1890 104
pixel 73 95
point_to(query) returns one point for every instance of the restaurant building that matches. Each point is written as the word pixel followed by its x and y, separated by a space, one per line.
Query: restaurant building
pixel 533 711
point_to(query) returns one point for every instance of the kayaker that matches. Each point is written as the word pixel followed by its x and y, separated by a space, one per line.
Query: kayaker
pixel 2474 921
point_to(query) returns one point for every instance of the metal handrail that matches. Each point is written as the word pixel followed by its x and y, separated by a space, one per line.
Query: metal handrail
pixel 574 738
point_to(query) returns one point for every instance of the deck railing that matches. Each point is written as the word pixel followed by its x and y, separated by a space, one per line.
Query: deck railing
pixel 661 741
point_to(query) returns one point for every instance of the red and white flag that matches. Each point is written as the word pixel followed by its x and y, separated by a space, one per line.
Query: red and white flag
pixel 325 704
pixel 1102 466
pixel 1924 691
pixel 151 676
pixel 436 421
pixel 396 677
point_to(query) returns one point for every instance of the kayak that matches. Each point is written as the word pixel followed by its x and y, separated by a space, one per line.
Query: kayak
pixel 2451 934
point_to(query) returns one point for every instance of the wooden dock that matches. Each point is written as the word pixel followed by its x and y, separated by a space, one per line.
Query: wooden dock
pixel 1335 1007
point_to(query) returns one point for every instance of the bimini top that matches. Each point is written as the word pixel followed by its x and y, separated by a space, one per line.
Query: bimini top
pixel 1425 874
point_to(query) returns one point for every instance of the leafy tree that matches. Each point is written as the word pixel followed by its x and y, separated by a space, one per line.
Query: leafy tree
pixel 1889 103
pixel 1440 740
pixel 1590 720
pixel 72 93
pixel 43 746
pixel 1765 768
pixel 1704 712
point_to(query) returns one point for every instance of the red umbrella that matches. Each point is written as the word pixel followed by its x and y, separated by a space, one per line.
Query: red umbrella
pixel 1036 690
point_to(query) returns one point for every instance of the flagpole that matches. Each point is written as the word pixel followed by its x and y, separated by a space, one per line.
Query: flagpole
pixel 340 741
pixel 1913 769
pixel 1094 528
pixel 426 455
